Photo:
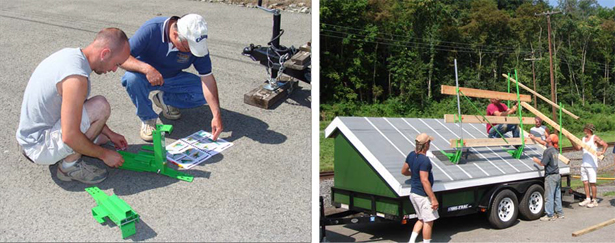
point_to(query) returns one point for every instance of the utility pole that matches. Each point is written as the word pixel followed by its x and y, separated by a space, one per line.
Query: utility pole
pixel 548 14
pixel 533 74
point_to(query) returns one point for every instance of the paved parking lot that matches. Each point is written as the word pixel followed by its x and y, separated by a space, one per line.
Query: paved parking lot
pixel 258 190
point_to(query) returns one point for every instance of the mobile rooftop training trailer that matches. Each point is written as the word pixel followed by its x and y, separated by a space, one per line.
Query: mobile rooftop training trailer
pixel 369 154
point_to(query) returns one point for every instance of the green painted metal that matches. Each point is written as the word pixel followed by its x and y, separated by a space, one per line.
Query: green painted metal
pixel 508 101
pixel 518 152
pixel 153 158
pixel 115 209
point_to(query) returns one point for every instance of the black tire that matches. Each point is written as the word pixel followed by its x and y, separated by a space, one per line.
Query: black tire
pixel 504 210
pixel 532 206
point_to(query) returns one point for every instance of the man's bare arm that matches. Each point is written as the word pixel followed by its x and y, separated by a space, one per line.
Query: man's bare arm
pixel 210 93
pixel 405 169
pixel 134 65
pixel 74 91
pixel 427 187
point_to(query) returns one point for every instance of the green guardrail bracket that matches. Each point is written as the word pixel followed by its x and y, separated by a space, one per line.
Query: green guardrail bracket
pixel 115 209
pixel 153 158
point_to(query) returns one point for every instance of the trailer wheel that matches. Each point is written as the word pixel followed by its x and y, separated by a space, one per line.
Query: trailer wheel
pixel 503 209
pixel 532 205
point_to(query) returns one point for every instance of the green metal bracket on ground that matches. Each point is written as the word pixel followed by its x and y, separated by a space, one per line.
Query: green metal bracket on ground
pixel 115 209
pixel 519 150
pixel 153 158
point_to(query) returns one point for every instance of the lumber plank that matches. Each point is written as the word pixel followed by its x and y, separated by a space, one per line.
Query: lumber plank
pixel 485 142
pixel 452 118
pixel 541 97
pixel 597 178
pixel 565 132
pixel 479 93
pixel 559 156
pixel 592 228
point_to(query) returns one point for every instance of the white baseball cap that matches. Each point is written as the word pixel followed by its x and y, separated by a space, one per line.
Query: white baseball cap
pixel 194 28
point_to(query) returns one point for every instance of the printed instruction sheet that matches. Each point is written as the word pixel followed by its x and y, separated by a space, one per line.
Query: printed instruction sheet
pixel 194 149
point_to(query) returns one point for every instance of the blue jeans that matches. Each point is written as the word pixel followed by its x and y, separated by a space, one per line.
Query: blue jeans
pixel 503 128
pixel 553 194
pixel 181 91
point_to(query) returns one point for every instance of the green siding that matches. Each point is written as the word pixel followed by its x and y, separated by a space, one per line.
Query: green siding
pixel 354 173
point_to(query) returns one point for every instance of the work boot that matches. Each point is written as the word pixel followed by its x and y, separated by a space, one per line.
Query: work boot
pixel 584 202
pixel 147 127
pixel 593 203
pixel 168 111
pixel 82 172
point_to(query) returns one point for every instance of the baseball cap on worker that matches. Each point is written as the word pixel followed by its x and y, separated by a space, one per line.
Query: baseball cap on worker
pixel 193 28
pixel 554 139
pixel 590 127
pixel 423 138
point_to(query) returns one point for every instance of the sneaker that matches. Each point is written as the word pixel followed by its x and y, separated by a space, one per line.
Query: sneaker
pixel 592 204
pixel 584 202
pixel 82 172
pixel 168 111
pixel 560 216
pixel 547 218
pixel 147 127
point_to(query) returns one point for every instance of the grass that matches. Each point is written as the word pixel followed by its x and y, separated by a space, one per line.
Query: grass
pixel 577 183
pixel 326 149
pixel 608 194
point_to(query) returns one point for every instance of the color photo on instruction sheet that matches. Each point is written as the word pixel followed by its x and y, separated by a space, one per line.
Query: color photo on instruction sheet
pixel 194 149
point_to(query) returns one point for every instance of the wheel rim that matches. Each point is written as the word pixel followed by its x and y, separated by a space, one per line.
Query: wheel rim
pixel 506 209
pixel 536 202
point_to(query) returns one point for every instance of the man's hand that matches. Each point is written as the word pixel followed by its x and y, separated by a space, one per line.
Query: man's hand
pixel 216 127
pixel 531 136
pixel 434 203
pixel 119 141
pixel 112 158
pixel 154 77
pixel 599 153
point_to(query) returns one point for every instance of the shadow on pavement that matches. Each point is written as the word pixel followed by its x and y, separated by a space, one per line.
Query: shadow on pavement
pixel 300 96
pixel 126 182
pixel 144 232
pixel 239 125
pixel 444 229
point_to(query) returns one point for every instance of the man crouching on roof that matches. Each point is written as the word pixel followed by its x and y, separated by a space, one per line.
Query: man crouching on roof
pixel 553 180
pixel 424 202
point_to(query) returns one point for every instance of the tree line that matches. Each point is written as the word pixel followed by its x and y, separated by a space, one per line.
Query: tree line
pixel 389 57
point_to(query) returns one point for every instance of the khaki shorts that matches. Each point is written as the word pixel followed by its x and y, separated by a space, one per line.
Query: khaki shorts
pixel 422 207
pixel 588 174
pixel 52 149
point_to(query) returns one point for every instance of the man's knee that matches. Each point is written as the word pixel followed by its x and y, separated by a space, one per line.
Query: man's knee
pixel 134 81
pixel 98 107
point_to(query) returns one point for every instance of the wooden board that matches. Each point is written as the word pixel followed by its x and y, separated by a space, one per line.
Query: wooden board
pixel 592 228
pixel 484 142
pixel 597 178
pixel 479 93
pixel 565 132
pixel 559 156
pixel 263 98
pixel 541 97
pixel 452 118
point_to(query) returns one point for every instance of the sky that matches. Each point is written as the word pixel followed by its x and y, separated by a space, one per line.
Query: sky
pixel 603 3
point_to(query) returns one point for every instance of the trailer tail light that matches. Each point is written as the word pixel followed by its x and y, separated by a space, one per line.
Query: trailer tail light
pixel 482 210
pixel 404 221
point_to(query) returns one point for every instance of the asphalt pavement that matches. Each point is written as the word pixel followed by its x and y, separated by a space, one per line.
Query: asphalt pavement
pixel 257 190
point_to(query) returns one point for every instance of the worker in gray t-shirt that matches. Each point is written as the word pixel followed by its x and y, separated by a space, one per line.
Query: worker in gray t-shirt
pixel 553 180
pixel 58 121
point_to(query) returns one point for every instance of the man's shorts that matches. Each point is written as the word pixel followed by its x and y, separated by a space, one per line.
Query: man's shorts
pixel 588 173
pixel 422 207
pixel 52 149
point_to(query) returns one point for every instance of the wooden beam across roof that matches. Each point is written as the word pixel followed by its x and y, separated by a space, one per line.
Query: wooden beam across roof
pixel 565 132
pixel 479 93
pixel 541 97
pixel 452 118
pixel 486 142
